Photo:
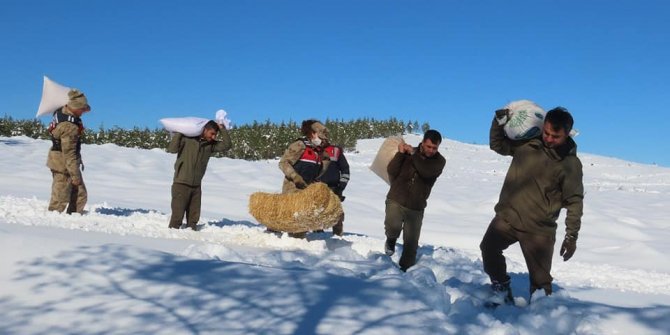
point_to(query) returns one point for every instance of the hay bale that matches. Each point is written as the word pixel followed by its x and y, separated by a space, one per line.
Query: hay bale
pixel 313 208
pixel 384 156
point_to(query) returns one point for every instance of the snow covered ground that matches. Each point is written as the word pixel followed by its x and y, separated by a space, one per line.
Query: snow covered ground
pixel 119 270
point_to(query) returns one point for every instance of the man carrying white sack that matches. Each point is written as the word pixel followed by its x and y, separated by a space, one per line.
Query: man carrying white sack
pixel 412 173
pixel 193 154
pixel 68 190
pixel 545 176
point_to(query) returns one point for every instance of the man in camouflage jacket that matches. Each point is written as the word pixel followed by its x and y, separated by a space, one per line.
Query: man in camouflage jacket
pixel 68 190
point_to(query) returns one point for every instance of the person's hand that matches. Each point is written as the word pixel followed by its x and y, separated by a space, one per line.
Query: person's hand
pixel 299 183
pixel 568 247
pixel 339 189
pixel 405 148
pixel 502 115
pixel 76 182
pixel 341 186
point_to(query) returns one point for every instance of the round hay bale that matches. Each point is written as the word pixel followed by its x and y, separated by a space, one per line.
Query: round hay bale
pixel 316 207
pixel 526 120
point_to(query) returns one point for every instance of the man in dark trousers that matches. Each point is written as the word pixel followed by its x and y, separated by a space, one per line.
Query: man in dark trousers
pixel 545 176
pixel 193 154
pixel 336 177
pixel 412 173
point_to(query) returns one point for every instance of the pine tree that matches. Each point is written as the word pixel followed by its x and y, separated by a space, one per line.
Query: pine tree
pixel 253 141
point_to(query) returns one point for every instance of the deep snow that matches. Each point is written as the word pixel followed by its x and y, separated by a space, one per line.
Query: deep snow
pixel 119 270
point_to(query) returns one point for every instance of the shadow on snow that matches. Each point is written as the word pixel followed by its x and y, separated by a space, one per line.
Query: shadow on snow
pixel 152 292
pixel 147 291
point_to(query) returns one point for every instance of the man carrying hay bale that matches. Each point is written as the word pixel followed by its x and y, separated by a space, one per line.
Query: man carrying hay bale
pixel 304 160
pixel 412 172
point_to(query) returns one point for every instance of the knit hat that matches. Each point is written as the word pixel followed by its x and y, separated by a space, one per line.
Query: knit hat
pixel 320 130
pixel 77 100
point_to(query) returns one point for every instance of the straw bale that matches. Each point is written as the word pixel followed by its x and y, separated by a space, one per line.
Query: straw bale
pixel 316 207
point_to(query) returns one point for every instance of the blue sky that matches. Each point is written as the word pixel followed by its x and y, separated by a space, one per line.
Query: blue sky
pixel 449 63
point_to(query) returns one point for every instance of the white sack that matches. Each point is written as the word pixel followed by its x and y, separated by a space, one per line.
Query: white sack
pixel 192 126
pixel 384 156
pixel 54 96
pixel 525 120
pixel 189 126
pixel 221 118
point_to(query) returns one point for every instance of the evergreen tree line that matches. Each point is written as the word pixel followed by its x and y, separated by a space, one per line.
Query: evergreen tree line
pixel 250 141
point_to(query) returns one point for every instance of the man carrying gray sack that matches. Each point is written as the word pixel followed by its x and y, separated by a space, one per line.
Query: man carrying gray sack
pixel 193 155
pixel 66 129
pixel 545 176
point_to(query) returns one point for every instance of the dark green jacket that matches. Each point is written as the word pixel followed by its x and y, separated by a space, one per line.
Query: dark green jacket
pixel 193 155
pixel 412 178
pixel 539 182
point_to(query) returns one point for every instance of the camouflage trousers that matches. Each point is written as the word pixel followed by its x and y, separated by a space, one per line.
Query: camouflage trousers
pixel 64 195
pixel 185 200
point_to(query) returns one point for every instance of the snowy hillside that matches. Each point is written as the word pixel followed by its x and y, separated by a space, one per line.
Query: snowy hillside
pixel 119 270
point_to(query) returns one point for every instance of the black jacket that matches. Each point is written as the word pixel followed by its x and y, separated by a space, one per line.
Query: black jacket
pixel 412 178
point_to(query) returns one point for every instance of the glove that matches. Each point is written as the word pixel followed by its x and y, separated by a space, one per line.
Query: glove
pixel 502 116
pixel 340 188
pixel 568 247
pixel 299 182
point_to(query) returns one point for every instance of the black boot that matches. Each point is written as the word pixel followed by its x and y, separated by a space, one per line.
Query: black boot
pixel 302 235
pixel 273 232
pixel 389 246
pixel 502 293
pixel 338 229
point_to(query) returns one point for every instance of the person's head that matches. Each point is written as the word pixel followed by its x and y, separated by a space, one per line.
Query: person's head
pixel 77 102
pixel 431 141
pixel 314 130
pixel 210 130
pixel 557 126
